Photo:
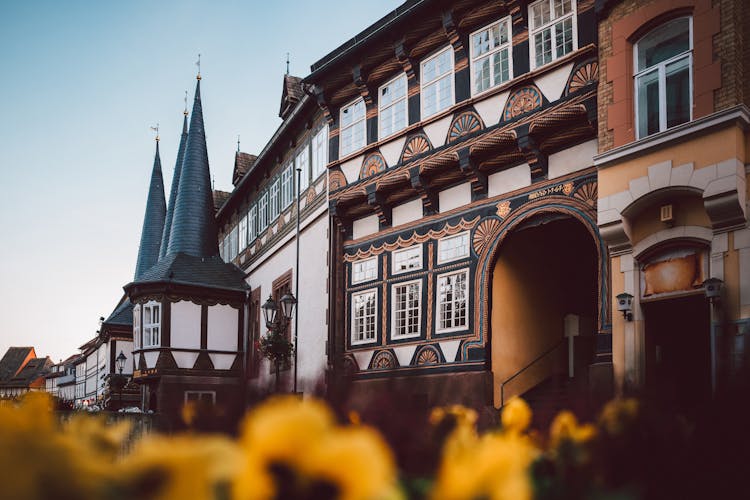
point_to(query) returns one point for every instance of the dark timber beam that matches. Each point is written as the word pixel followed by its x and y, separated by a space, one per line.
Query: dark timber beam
pixel 429 196
pixel 377 201
pixel 360 81
pixel 470 168
pixel 529 147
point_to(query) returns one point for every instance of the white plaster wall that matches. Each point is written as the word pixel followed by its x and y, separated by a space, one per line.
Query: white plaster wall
pixel 126 347
pixel 222 328
pixel 91 373
pixel 455 197
pixel 185 325
pixel 151 358
pixel 365 226
pixel 491 109
pixel 185 359
pixel 438 131
pixel 508 180
pixel 391 151
pixel 312 300
pixel 407 212
pixel 572 159
pixel 351 168
pixel 553 83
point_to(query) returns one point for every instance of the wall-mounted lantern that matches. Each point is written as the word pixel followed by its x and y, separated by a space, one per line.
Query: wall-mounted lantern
pixel 712 289
pixel 625 305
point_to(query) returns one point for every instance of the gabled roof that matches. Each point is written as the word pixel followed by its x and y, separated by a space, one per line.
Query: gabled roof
pixel 291 94
pixel 13 361
pixel 34 369
pixel 242 164
pixel 194 229
pixel 220 197
pixel 122 315
pixel 153 220
pixel 186 269
pixel 175 187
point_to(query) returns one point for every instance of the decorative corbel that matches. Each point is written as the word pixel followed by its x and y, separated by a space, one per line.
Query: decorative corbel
pixel 319 94
pixel 516 12
pixel 592 115
pixel 360 81
pixel 529 147
pixel 338 214
pixel 453 33
pixel 429 196
pixel 402 56
pixel 470 168
pixel 377 200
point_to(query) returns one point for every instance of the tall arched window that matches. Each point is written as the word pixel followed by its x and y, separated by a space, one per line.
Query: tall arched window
pixel 663 62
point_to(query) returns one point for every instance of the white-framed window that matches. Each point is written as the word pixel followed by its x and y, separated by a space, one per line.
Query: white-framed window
pixel 263 212
pixel 320 152
pixel 137 326
pixel 663 62
pixel 364 316
pixel 233 240
pixel 151 324
pixel 453 247
pixel 227 251
pixel 252 224
pixel 392 113
pixel 302 162
pixel 352 127
pixel 437 82
pixel 552 28
pixel 407 259
pixel 406 311
pixel 206 397
pixel 364 270
pixel 287 186
pixel 243 233
pixel 273 200
pixel 453 301
pixel 491 56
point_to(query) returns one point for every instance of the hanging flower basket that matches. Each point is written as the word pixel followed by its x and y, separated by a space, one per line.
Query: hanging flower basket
pixel 275 347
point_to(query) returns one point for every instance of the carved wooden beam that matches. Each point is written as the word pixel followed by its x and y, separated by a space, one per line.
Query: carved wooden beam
pixel 470 168
pixel 454 35
pixel 429 196
pixel 534 157
pixel 402 56
pixel 377 200
pixel 360 81
pixel 319 94
pixel 339 214
pixel 516 12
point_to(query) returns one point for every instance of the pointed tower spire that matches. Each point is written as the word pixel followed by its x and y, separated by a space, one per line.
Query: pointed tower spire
pixel 153 220
pixel 194 229
pixel 175 185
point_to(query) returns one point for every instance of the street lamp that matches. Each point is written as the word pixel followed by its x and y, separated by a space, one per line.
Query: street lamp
pixel 275 346
pixel 120 361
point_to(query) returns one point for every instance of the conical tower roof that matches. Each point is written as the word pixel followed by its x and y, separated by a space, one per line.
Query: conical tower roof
pixel 175 187
pixel 153 220
pixel 194 230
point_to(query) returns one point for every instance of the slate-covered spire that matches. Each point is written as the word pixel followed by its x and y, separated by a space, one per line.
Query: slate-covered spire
pixel 175 186
pixel 153 220
pixel 194 230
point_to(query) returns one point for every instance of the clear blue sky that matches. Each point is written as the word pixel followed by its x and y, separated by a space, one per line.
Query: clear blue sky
pixel 81 82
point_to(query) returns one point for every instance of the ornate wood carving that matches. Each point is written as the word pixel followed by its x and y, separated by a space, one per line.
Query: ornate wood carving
pixel 582 75
pixel 429 196
pixel 536 159
pixel 336 179
pixel 464 124
pixel 428 355
pixel 360 81
pixel 470 169
pixel 373 164
pixel 522 100
pixel 322 101
pixel 377 200
pixel 414 146
pixel 383 360
pixel 406 62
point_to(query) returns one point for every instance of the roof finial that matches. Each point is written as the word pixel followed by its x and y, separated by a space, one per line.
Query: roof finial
pixel 213 183
pixel 186 111
pixel 287 63
pixel 238 143
pixel 199 67
pixel 156 129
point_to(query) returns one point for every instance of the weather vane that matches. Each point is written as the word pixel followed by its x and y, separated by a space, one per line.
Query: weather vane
pixel 238 143
pixel 287 63
pixel 156 129
pixel 186 111
pixel 199 66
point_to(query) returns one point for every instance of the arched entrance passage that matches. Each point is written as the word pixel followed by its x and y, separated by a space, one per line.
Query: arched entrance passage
pixel 545 302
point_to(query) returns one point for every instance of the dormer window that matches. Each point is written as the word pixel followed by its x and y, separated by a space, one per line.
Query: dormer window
pixel 552 30
pixel 353 133
pixel 663 77
pixel 437 82
pixel 491 61
pixel 392 107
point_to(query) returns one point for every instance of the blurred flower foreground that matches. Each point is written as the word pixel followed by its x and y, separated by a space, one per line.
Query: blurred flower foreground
pixel 293 448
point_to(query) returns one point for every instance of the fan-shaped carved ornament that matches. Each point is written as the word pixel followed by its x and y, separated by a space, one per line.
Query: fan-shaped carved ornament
pixel 373 164
pixel 384 360
pixel 463 124
pixel 336 179
pixel 416 145
pixel 484 233
pixel 522 101
pixel 587 193
pixel 428 356
pixel 583 75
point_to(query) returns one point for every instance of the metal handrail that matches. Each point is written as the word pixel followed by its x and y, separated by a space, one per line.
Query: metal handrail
pixel 535 361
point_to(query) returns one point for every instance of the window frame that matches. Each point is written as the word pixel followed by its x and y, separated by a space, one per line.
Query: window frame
pixel 573 14
pixel 319 147
pixel 438 302
pixel 364 262
pixel 242 233
pixel 136 327
pixel 474 58
pixel 342 129
pixel 151 325
pixel 287 185
pixel 442 241
pixel 404 101
pixel 263 211
pixel 661 68
pixel 423 84
pixel 274 199
pixel 252 223
pixel 402 251
pixel 394 310
pixel 353 316
pixel 233 242
pixel 200 393
pixel 302 162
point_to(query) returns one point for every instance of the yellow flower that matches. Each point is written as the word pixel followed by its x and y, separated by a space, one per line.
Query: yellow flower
pixel 617 415
pixel 516 415
pixel 565 426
